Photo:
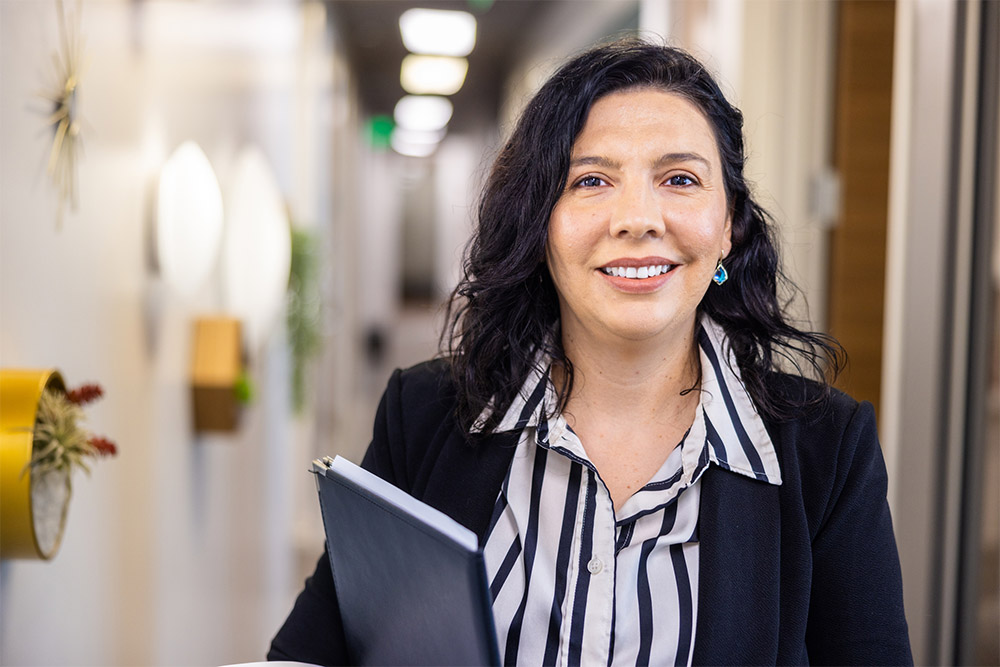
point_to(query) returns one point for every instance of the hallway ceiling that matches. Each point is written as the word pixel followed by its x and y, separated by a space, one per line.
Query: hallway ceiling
pixel 370 32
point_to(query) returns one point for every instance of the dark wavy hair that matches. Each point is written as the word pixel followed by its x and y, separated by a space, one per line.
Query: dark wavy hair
pixel 505 308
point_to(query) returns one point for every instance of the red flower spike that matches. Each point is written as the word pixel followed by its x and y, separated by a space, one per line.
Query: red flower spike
pixel 85 393
pixel 103 446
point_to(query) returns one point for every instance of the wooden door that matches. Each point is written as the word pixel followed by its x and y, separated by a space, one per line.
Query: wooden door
pixel 861 157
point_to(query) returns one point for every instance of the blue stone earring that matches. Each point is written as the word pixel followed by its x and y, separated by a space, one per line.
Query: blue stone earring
pixel 721 275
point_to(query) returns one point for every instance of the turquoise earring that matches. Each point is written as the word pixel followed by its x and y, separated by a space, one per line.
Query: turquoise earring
pixel 721 275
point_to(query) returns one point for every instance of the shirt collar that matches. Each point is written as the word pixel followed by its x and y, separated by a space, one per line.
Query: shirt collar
pixel 736 437
pixel 531 404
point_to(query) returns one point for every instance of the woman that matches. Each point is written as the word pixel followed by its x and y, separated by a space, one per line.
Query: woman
pixel 610 420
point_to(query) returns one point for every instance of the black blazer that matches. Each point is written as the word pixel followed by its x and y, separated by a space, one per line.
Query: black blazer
pixel 806 572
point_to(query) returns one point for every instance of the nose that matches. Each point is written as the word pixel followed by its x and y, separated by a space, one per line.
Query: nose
pixel 636 213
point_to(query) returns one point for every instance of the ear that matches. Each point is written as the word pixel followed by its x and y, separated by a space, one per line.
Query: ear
pixel 727 236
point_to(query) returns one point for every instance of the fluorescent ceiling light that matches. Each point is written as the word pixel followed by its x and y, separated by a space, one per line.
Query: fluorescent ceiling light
pixel 433 75
pixel 438 32
pixel 414 142
pixel 418 136
pixel 422 112
pixel 404 146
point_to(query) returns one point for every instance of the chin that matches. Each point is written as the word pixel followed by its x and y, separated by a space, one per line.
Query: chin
pixel 647 324
pixel 639 332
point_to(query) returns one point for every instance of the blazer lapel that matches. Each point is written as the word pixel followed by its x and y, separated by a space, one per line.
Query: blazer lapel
pixel 739 571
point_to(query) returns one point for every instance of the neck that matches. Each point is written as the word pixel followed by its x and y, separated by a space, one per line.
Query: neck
pixel 640 379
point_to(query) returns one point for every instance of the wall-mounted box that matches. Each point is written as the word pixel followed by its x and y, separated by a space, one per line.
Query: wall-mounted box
pixel 216 367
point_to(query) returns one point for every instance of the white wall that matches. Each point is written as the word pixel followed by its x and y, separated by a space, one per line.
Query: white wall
pixel 178 551
pixel 462 165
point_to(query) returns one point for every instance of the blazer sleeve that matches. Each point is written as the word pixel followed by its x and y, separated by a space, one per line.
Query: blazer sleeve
pixel 314 632
pixel 856 608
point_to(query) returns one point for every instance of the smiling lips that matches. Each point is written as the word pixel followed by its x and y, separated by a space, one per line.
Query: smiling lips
pixel 637 268
pixel 635 272
pixel 639 275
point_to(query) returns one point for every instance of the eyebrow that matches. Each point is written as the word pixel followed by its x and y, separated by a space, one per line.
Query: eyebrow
pixel 665 159
pixel 669 158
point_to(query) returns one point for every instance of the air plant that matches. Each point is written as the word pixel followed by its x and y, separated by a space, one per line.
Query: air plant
pixel 60 441
pixel 63 117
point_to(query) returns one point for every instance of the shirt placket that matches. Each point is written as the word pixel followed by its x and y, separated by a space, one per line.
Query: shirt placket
pixel 594 560
pixel 601 570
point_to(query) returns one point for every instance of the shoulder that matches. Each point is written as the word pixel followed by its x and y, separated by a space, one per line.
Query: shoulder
pixel 428 380
pixel 415 408
pixel 427 374
pixel 418 401
pixel 833 503
pixel 417 445
pixel 421 395
pixel 830 421
pixel 809 391
pixel 825 448
pixel 826 409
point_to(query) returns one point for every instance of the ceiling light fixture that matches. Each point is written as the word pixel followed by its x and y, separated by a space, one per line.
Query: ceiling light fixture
pixel 438 32
pixel 428 113
pixel 433 75
pixel 415 144
pixel 418 136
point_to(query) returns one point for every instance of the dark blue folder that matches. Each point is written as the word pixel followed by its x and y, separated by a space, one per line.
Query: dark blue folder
pixel 411 582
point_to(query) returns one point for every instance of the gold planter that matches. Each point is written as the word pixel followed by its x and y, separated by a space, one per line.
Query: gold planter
pixel 20 391
pixel 216 365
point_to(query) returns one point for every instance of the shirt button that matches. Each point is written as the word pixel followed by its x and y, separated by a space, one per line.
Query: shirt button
pixel 595 565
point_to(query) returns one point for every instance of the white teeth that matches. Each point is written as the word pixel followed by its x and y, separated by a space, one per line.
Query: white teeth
pixel 637 273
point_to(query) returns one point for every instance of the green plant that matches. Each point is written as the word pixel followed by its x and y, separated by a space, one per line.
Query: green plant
pixel 303 319
pixel 60 441
pixel 243 389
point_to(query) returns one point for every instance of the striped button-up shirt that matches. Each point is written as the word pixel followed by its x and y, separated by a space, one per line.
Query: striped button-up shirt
pixel 574 582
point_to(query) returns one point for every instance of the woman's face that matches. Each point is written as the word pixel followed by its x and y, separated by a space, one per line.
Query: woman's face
pixel 636 235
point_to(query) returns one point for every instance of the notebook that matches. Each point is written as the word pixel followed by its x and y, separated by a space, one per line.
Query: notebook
pixel 411 582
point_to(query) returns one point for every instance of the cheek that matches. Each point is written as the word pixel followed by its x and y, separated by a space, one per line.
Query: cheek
pixel 560 261
pixel 712 236
pixel 707 240
pixel 565 240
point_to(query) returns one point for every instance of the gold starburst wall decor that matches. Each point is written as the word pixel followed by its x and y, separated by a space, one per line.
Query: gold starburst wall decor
pixel 63 118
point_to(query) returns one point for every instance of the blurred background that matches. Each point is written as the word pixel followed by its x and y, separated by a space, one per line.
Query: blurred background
pixel 189 181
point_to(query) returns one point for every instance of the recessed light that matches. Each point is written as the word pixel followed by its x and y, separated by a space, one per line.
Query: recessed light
pixel 423 112
pixel 438 32
pixel 403 146
pixel 433 75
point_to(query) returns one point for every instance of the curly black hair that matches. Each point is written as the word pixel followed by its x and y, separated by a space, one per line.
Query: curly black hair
pixel 505 308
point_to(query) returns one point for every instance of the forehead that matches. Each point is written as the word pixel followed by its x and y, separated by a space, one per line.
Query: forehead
pixel 647 117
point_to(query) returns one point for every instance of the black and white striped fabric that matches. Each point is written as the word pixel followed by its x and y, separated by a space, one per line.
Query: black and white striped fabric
pixel 575 584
